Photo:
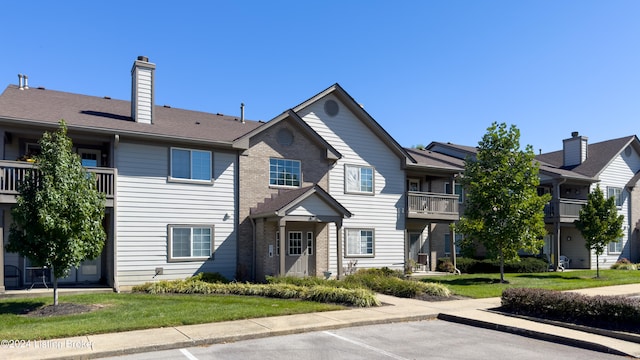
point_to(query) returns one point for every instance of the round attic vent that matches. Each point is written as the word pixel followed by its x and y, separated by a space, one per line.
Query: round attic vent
pixel 284 137
pixel 331 107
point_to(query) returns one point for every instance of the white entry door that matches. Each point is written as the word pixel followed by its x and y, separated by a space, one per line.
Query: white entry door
pixel 90 157
pixel 297 255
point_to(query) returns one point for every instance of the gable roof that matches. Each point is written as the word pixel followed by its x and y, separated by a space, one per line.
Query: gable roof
pixel 279 204
pixel 434 160
pixel 599 156
pixel 464 149
pixel 104 115
pixel 356 109
pixel 331 152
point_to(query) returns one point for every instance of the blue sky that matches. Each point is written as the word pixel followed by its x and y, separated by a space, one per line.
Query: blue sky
pixel 425 70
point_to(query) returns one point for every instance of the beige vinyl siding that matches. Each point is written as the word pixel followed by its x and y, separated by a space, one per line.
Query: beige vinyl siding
pixel 145 97
pixel 147 203
pixel 618 174
pixel 381 211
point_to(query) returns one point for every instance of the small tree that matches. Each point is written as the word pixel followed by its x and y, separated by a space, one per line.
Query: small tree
pixel 57 221
pixel 503 209
pixel 599 223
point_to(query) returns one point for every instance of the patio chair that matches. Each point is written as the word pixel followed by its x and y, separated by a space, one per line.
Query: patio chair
pixel 564 262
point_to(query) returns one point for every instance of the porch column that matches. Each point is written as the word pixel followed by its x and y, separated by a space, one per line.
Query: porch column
pixel 556 247
pixel 339 248
pixel 283 250
pixel 452 247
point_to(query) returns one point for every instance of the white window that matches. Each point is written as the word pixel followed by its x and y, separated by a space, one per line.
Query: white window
pixel 358 179
pixel 615 247
pixel 190 164
pixel 309 243
pixel 359 242
pixel 458 190
pixel 414 185
pixel 447 243
pixel 283 172
pixel 616 193
pixel 187 242
pixel 295 243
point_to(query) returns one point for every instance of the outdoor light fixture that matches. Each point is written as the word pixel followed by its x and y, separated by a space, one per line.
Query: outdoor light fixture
pixel 568 238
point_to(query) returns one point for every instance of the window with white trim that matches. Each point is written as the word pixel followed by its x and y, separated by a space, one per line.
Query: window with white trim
pixel 188 242
pixel 359 242
pixel 615 247
pixel 295 243
pixel 309 243
pixel 284 172
pixel 190 164
pixel 458 190
pixel 615 192
pixel 278 243
pixel 358 179
pixel 447 243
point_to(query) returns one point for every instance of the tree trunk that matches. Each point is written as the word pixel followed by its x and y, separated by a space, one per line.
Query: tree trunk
pixel 597 265
pixel 501 267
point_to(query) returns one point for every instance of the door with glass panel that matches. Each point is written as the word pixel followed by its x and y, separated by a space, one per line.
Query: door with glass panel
pixel 299 248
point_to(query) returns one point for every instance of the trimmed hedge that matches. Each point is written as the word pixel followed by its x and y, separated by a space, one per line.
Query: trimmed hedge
pixel 492 266
pixel 616 312
pixel 354 297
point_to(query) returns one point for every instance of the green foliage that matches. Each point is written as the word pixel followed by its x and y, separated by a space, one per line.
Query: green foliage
pixel 624 264
pixel 492 266
pixel 599 223
pixel 503 209
pixel 209 277
pixel 349 296
pixel 57 221
pixel 617 312
pixel 391 282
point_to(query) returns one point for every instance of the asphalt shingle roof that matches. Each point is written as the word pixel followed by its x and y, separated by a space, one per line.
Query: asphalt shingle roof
pixel 109 115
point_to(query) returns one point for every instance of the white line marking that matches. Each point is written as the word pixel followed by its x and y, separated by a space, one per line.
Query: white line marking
pixel 187 354
pixel 379 351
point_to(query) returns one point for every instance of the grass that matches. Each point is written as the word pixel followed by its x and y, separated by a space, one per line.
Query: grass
pixel 122 312
pixel 488 285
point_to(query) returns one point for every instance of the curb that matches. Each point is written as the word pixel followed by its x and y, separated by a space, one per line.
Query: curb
pixel 531 334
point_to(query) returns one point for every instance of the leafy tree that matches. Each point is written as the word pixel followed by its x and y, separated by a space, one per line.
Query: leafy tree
pixel 503 209
pixel 57 221
pixel 599 223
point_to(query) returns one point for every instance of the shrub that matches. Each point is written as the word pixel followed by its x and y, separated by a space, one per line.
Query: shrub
pixel 617 312
pixel 391 282
pixel 210 277
pixel 624 264
pixel 349 296
pixel 445 265
pixel 492 266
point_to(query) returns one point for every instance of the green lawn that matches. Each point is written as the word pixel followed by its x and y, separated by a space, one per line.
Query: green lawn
pixel 487 285
pixel 122 312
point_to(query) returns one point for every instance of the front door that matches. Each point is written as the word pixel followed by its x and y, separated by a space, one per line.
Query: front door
pixel 297 261
pixel 90 157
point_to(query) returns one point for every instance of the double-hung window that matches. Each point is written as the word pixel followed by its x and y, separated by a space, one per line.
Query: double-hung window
pixel 458 190
pixel 283 172
pixel 190 242
pixel 447 243
pixel 615 247
pixel 359 242
pixel 358 179
pixel 190 164
pixel 615 192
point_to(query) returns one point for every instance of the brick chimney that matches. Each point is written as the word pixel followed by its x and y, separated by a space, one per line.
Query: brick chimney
pixel 574 149
pixel 142 90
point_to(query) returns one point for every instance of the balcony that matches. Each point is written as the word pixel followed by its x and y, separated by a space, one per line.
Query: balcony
pixel 432 206
pixel 563 210
pixel 13 172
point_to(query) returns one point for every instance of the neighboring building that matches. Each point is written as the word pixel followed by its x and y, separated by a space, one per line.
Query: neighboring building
pixel 569 175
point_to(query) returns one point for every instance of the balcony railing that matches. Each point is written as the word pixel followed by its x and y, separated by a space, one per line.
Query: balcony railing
pixel 563 210
pixel 434 206
pixel 13 172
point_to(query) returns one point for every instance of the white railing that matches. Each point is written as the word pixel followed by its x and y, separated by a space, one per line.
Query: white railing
pixel 432 203
pixel 13 172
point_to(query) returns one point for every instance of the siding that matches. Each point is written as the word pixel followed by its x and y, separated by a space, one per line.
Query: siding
pixel 383 211
pixel 618 174
pixel 312 206
pixel 147 204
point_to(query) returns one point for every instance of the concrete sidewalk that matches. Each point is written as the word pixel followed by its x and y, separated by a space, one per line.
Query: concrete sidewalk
pixel 472 312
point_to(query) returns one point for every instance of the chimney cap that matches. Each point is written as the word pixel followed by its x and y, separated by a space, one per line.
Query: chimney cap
pixel 574 134
pixel 143 58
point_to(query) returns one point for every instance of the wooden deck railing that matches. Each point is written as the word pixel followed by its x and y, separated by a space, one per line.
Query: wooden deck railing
pixel 13 172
